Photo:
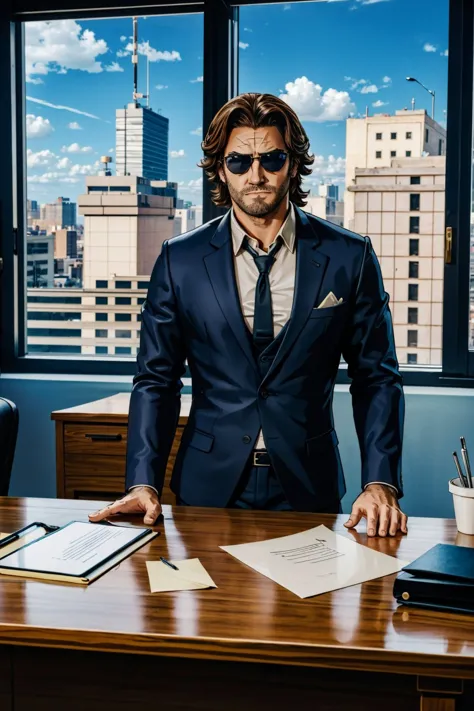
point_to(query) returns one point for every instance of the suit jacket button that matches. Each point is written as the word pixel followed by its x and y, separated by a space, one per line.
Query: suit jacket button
pixel 246 439
pixel 264 393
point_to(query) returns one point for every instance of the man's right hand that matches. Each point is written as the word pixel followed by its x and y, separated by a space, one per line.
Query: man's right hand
pixel 143 499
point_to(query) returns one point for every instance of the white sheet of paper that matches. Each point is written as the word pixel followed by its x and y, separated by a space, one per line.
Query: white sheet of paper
pixel 315 561
pixel 191 575
pixel 72 550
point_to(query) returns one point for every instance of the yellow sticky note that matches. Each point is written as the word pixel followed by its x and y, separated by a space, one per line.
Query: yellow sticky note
pixel 191 575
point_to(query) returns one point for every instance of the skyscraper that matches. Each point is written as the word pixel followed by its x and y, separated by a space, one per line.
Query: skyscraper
pixel 141 142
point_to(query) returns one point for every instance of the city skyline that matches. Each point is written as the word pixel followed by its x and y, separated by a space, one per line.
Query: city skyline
pixel 64 145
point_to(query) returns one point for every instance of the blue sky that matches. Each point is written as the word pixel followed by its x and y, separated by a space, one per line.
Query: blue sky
pixel 329 60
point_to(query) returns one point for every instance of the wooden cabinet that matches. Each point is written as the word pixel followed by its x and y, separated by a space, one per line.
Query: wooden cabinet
pixel 91 443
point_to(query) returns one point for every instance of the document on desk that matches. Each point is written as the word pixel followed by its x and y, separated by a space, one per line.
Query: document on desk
pixel 190 575
pixel 315 561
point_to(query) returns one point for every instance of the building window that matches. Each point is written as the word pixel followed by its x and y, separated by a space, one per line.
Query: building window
pixel 378 154
pixel 46 348
pixel 414 247
pixel 412 339
pixel 101 333
pixel 408 135
pixel 119 188
pixel 412 315
pixel 393 136
pixel 393 154
pixel 123 334
pixel 412 359
pixel 413 269
pixel 123 350
pixel 101 284
pixel 427 135
pixel 123 284
pixel 440 147
pixel 55 332
pixel 123 317
pixel 378 136
pixel 101 350
pixel 123 300
pixel 143 284
pixel 407 154
pixel 101 317
pixel 54 316
pixel 414 225
pixel 414 202
pixel 139 317
pixel 101 300
pixel 37 248
pixel 415 180
pixel 412 292
pixel 54 299
pixel 141 300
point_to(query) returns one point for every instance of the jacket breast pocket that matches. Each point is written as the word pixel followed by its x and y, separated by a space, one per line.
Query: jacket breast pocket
pixel 329 312
pixel 201 440
pixel 322 443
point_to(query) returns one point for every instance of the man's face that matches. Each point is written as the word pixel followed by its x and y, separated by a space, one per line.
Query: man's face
pixel 257 192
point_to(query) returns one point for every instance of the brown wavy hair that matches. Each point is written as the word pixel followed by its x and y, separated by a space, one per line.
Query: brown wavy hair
pixel 256 110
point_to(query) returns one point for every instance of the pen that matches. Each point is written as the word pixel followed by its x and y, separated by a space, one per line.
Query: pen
pixel 459 470
pixel 465 457
pixel 166 562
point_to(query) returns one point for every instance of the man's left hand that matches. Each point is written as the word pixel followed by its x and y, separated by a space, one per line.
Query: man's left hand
pixel 379 505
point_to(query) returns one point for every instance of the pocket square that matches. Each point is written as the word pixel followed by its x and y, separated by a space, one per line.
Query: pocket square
pixel 329 300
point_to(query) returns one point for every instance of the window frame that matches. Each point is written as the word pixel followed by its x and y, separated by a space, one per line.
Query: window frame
pixel 220 46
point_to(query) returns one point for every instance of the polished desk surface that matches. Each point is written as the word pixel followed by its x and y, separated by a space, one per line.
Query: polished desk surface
pixel 248 617
pixel 114 407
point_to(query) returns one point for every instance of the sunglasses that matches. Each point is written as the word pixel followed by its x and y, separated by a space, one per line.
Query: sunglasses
pixel 239 163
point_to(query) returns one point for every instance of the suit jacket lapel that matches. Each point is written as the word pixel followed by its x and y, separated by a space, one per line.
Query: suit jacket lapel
pixel 221 272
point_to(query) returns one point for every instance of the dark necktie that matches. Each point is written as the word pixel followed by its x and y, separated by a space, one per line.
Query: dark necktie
pixel 263 318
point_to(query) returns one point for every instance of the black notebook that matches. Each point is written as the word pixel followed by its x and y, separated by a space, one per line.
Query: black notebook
pixel 445 562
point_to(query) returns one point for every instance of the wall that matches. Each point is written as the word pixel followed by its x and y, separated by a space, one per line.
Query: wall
pixel 435 419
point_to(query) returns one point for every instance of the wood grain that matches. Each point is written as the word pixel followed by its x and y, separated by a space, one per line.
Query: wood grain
pixel 248 618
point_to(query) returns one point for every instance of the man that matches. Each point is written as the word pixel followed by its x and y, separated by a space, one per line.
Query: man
pixel 262 303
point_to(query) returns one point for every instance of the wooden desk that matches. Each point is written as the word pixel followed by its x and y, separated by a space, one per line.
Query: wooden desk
pixel 249 644
pixel 91 442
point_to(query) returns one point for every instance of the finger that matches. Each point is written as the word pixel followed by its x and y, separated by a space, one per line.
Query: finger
pixel 152 513
pixel 404 523
pixel 372 518
pixel 355 517
pixel 395 522
pixel 384 520
pixel 117 507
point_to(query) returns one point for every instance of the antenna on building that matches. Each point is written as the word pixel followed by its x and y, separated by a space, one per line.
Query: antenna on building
pixel 105 160
pixel 413 104
pixel 136 95
pixel 366 112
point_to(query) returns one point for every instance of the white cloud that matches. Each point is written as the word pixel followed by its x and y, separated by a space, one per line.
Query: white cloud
pixel 386 80
pixel 155 55
pixel 161 86
pixel 198 79
pixel 247 29
pixel 178 154
pixel 429 47
pixel 74 126
pixel 195 185
pixel 63 163
pixel 44 157
pixel 61 45
pixel 30 80
pixel 287 6
pixel 123 38
pixel 370 89
pixel 51 177
pixel 37 126
pixel 445 53
pixel 330 170
pixel 311 104
pixel 76 148
pixel 197 131
pixel 243 45
pixel 122 53
pixel 91 169
pixel 114 67
pixel 378 104
pixel 64 108
pixel 111 150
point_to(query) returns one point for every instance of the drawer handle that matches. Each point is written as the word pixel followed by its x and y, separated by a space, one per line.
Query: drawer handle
pixel 104 437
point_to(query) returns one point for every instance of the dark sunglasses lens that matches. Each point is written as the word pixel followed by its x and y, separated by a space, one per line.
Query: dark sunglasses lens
pixel 238 164
pixel 273 162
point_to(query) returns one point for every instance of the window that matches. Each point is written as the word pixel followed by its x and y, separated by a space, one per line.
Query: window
pixel 414 202
pixel 123 350
pixel 414 248
pixel 412 358
pixel 440 146
pixel 53 316
pixel 123 334
pixel 101 350
pixel 393 154
pixel 51 348
pixel 101 333
pixel 84 253
pixel 414 225
pixel 415 180
pixel 412 315
pixel 413 268
pixel 427 135
pixel 408 154
pixel 393 136
pixel 141 300
pixel 55 332
pixel 378 154
pixel 412 339
pixel 412 292
pixel 378 136
pixel 408 135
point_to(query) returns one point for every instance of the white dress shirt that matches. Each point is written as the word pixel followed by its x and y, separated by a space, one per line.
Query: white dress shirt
pixel 281 278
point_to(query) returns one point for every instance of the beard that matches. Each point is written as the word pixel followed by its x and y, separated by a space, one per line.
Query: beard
pixel 260 206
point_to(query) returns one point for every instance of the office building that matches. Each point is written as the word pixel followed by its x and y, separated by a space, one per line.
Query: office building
pixel 185 219
pixel 65 243
pixel 141 142
pixel 401 208
pixel 59 214
pixel 39 259
pixel 326 205
pixel 126 220
pixel 374 141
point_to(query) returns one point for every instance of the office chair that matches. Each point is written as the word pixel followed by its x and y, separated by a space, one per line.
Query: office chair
pixel 8 436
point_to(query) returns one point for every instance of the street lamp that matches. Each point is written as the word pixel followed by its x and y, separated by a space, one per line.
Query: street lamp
pixel 429 92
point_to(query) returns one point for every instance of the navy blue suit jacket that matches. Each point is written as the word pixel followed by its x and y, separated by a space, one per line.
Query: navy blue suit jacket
pixel 192 312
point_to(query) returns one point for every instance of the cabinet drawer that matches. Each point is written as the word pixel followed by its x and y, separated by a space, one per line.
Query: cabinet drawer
pixel 95 439
pixel 91 473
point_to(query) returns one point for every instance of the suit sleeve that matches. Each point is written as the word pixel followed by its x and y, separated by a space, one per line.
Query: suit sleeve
pixel 156 395
pixel 377 392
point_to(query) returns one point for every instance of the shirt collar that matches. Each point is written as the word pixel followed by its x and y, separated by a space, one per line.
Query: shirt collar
pixel 287 231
